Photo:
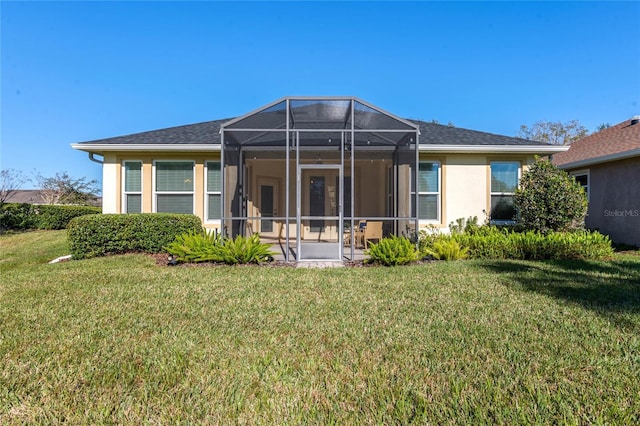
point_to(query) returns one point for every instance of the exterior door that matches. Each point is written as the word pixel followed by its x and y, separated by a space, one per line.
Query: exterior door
pixel 268 190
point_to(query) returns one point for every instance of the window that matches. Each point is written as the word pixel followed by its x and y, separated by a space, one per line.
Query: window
pixel 132 187
pixel 214 190
pixel 429 190
pixel 504 182
pixel 582 177
pixel 174 186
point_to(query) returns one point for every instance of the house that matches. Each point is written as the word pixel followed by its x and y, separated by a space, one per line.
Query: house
pixel 41 196
pixel 305 172
pixel 26 196
pixel 607 165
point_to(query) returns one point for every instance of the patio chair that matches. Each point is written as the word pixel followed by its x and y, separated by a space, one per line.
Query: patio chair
pixel 370 231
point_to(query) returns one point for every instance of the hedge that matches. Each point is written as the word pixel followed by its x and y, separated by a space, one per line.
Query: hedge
pixel 58 217
pixel 40 216
pixel 533 245
pixel 101 235
pixel 489 242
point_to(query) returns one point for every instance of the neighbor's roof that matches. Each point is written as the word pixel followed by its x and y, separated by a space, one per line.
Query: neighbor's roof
pixel 29 196
pixel 35 196
pixel 613 143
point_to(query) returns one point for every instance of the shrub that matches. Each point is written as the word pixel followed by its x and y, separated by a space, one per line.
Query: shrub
pixel 40 216
pixel 462 225
pixel 17 216
pixel 196 246
pixel 490 242
pixel 202 247
pixel 100 235
pixel 578 245
pixel 447 249
pixel 549 200
pixel 246 250
pixel 427 236
pixel 393 251
pixel 58 216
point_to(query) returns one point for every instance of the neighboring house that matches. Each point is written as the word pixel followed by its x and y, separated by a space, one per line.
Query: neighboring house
pixel 26 196
pixel 305 171
pixel 37 196
pixel 607 165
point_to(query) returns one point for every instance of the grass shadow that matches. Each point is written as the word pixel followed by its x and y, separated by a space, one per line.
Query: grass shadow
pixel 611 289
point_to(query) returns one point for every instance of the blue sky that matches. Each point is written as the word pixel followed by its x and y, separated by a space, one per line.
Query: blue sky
pixel 79 71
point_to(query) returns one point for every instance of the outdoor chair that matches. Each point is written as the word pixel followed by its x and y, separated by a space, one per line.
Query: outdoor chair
pixel 371 230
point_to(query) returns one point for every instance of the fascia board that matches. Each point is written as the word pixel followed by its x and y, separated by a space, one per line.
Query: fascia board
pixel 146 147
pixel 515 149
pixel 601 159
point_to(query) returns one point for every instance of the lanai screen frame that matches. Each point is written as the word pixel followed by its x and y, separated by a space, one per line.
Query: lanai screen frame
pixel 259 128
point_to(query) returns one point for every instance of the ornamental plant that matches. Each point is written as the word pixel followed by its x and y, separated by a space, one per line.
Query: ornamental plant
pixel 201 246
pixel 393 251
pixel 550 200
pixel 447 249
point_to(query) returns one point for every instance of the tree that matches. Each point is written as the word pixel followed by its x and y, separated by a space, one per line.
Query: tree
pixel 554 132
pixel 549 199
pixel 435 121
pixel 10 181
pixel 64 189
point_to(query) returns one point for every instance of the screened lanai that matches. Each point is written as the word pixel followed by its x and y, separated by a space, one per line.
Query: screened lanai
pixel 321 177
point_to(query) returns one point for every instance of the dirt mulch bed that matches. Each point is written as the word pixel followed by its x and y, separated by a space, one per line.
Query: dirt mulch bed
pixel 161 260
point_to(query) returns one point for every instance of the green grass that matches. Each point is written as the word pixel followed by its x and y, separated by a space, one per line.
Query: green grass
pixel 121 340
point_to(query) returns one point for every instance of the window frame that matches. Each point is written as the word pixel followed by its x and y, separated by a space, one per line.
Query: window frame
pixel 155 183
pixel 496 193
pixel 207 192
pixel 437 193
pixel 587 187
pixel 124 204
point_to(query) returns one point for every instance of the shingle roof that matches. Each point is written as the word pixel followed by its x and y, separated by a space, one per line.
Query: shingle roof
pixel 438 134
pixel 618 139
pixel 209 133
pixel 30 196
pixel 34 196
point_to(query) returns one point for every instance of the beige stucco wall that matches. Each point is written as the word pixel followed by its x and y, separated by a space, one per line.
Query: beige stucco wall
pixel 465 187
pixel 110 184
pixel 465 184
pixel 112 179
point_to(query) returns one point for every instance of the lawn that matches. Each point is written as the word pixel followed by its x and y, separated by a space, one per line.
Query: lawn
pixel 123 340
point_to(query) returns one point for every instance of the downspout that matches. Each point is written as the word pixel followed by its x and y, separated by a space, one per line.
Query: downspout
pixel 94 159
